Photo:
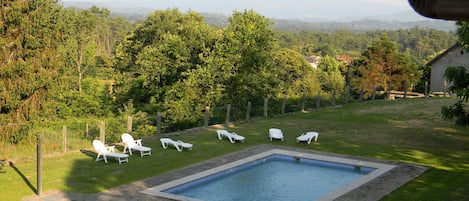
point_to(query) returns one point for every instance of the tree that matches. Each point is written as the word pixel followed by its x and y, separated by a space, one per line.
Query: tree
pixel 248 44
pixel 162 62
pixel 294 76
pixel 29 37
pixel 458 76
pixel 330 74
pixel 382 66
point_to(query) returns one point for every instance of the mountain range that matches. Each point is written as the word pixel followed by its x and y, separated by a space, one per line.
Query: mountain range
pixel 401 20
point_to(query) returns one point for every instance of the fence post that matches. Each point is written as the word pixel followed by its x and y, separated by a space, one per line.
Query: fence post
pixel 266 107
pixel 284 102
pixel 64 137
pixel 87 130
pixel 333 97
pixel 405 89
pixel 303 103
pixel 318 100
pixel 102 134
pixel 158 123
pixel 39 164
pixel 444 90
pixel 426 89
pixel 347 93
pixel 375 88
pixel 206 116
pixel 227 119
pixel 129 124
pixel 248 112
pixel 360 98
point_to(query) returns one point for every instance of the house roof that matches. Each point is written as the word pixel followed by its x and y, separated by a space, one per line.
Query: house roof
pixel 431 62
pixel 344 58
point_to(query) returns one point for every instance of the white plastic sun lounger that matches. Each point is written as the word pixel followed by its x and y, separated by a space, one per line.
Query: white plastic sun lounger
pixel 180 145
pixel 308 137
pixel 108 151
pixel 275 133
pixel 231 136
pixel 131 144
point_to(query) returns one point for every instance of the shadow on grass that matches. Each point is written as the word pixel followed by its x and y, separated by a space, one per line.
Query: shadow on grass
pixel 25 179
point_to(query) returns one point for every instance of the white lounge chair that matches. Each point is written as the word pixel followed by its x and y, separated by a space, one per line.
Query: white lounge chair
pixel 231 136
pixel 275 133
pixel 180 145
pixel 308 137
pixel 108 151
pixel 131 144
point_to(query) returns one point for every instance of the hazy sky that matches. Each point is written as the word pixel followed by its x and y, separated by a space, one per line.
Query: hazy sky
pixel 327 9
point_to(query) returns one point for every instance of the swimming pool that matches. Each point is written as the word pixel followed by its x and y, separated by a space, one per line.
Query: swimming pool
pixel 276 168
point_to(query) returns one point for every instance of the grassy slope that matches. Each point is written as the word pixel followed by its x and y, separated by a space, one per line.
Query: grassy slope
pixel 403 130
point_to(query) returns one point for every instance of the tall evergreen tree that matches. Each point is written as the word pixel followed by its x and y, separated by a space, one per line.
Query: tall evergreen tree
pixel 29 38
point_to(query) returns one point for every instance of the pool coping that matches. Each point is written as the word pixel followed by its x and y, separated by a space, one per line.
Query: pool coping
pixel 380 168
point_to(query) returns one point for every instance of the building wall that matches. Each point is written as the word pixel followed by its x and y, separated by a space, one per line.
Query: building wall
pixel 455 56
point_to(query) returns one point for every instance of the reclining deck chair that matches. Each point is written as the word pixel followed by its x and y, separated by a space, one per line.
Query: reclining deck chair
pixel 108 151
pixel 180 145
pixel 131 144
pixel 308 137
pixel 231 136
pixel 275 133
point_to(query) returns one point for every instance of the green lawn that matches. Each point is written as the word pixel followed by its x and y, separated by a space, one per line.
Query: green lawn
pixel 403 130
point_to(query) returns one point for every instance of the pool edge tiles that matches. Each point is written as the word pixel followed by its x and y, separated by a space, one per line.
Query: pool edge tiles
pixel 380 168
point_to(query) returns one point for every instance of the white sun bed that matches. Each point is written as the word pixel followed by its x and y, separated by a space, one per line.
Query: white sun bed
pixel 131 144
pixel 180 145
pixel 275 133
pixel 308 137
pixel 108 151
pixel 231 136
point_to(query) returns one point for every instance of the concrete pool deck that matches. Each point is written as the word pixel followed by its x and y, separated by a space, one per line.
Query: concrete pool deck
pixel 370 191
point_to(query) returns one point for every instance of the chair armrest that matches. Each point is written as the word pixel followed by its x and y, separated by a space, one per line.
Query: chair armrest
pixel 139 142
pixel 110 148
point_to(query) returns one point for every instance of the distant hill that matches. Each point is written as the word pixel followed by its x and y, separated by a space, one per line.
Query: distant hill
pixel 403 20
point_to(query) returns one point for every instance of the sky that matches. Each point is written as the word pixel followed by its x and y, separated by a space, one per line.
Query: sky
pixel 279 9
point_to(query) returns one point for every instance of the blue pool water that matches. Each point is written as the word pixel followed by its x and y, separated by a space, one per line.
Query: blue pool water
pixel 275 177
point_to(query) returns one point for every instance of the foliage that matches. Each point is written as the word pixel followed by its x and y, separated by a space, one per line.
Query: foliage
pixel 160 61
pixel 382 66
pixel 248 43
pixel 463 34
pixel 295 76
pixel 29 37
pixel 331 75
pixel 459 78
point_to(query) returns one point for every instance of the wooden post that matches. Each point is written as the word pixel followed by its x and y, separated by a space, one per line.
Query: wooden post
pixel 39 164
pixel 227 119
pixel 102 134
pixel 303 103
pixel 206 116
pixel 405 89
pixel 284 102
pixel 361 95
pixel 374 93
pixel 333 97
pixel 64 138
pixel 129 124
pixel 444 89
pixel 318 100
pixel 248 111
pixel 266 107
pixel 426 89
pixel 87 130
pixel 158 123
pixel 347 93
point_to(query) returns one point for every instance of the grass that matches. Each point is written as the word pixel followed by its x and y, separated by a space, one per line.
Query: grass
pixel 403 130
